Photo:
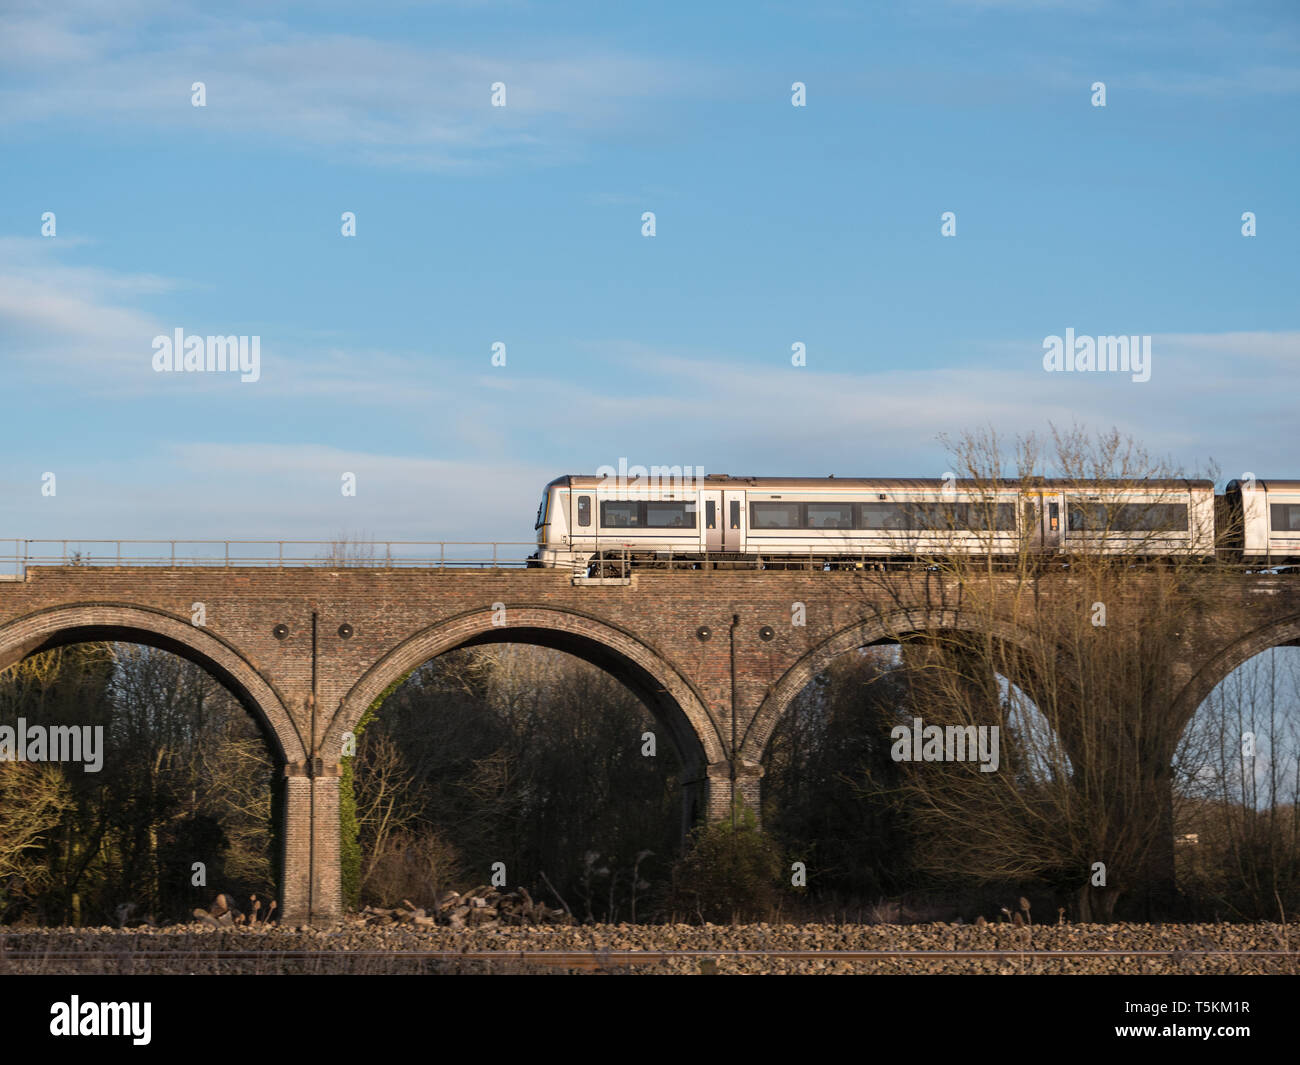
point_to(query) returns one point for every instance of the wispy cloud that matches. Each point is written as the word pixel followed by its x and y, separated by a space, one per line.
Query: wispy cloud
pixel 379 101
pixel 83 330
pixel 214 489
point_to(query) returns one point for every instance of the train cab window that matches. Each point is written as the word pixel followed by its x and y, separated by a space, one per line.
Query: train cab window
pixel 542 510
pixel 1284 517
pixel 670 515
pixel 735 514
pixel 584 510
pixel 620 515
pixel 829 516
pixel 772 515
pixel 710 514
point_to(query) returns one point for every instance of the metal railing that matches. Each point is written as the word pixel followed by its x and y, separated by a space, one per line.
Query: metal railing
pixel 377 554
pixel 615 562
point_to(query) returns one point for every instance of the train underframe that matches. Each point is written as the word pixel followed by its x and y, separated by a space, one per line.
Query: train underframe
pixel 606 564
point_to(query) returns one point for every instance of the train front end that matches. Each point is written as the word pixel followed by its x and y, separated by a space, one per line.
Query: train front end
pixel 551 527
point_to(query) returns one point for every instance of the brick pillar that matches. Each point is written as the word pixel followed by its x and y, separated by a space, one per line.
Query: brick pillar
pixel 296 841
pixel 311 885
pixel 717 805
pixel 327 902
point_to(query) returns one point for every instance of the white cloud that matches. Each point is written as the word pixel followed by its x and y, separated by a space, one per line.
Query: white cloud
pixel 381 101
pixel 253 490
pixel 803 420
pixel 485 440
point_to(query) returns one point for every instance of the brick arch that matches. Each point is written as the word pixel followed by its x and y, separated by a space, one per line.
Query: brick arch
pixel 674 700
pixel 1285 632
pixel 60 626
pixel 883 629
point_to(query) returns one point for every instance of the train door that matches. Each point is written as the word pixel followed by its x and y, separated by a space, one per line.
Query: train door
pixel 734 522
pixel 1031 515
pixel 711 520
pixel 1045 520
pixel 1053 514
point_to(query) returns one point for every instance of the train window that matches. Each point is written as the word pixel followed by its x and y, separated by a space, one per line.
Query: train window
pixel 670 515
pixel 934 517
pixel 710 514
pixel 1159 517
pixel 584 510
pixel 772 515
pixel 976 516
pixel 1084 517
pixel 945 516
pixel 620 515
pixel 541 510
pixel 1285 517
pixel 735 513
pixel 885 516
pixel 1127 517
pixel 829 516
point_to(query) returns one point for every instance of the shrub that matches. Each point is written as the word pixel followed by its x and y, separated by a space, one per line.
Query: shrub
pixel 728 873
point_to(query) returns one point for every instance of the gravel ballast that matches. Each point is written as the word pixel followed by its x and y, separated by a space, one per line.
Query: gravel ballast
pixel 357 947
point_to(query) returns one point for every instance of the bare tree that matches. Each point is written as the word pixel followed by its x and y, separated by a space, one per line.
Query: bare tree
pixel 33 800
pixel 1078 794
pixel 389 798
pixel 1238 778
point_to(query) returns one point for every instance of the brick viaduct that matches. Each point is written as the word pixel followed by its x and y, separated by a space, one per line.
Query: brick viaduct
pixel 715 655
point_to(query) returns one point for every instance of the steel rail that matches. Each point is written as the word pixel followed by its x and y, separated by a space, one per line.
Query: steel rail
pixel 619 956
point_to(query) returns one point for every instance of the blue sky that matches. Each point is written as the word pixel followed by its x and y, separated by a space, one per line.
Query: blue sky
pixel 522 224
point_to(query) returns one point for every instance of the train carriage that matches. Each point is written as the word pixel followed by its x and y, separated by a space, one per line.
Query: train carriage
pixel 597 522
pixel 1262 522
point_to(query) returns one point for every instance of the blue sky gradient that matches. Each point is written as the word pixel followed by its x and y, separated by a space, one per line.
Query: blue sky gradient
pixel 522 224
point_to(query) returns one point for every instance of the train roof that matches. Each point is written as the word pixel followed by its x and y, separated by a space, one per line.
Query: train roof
pixel 723 480
pixel 1269 485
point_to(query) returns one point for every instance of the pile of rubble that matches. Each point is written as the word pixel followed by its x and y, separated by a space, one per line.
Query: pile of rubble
pixel 484 907
pixel 225 913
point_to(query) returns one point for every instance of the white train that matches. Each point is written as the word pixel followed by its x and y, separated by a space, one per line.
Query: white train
pixel 600 525
pixel 1261 522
